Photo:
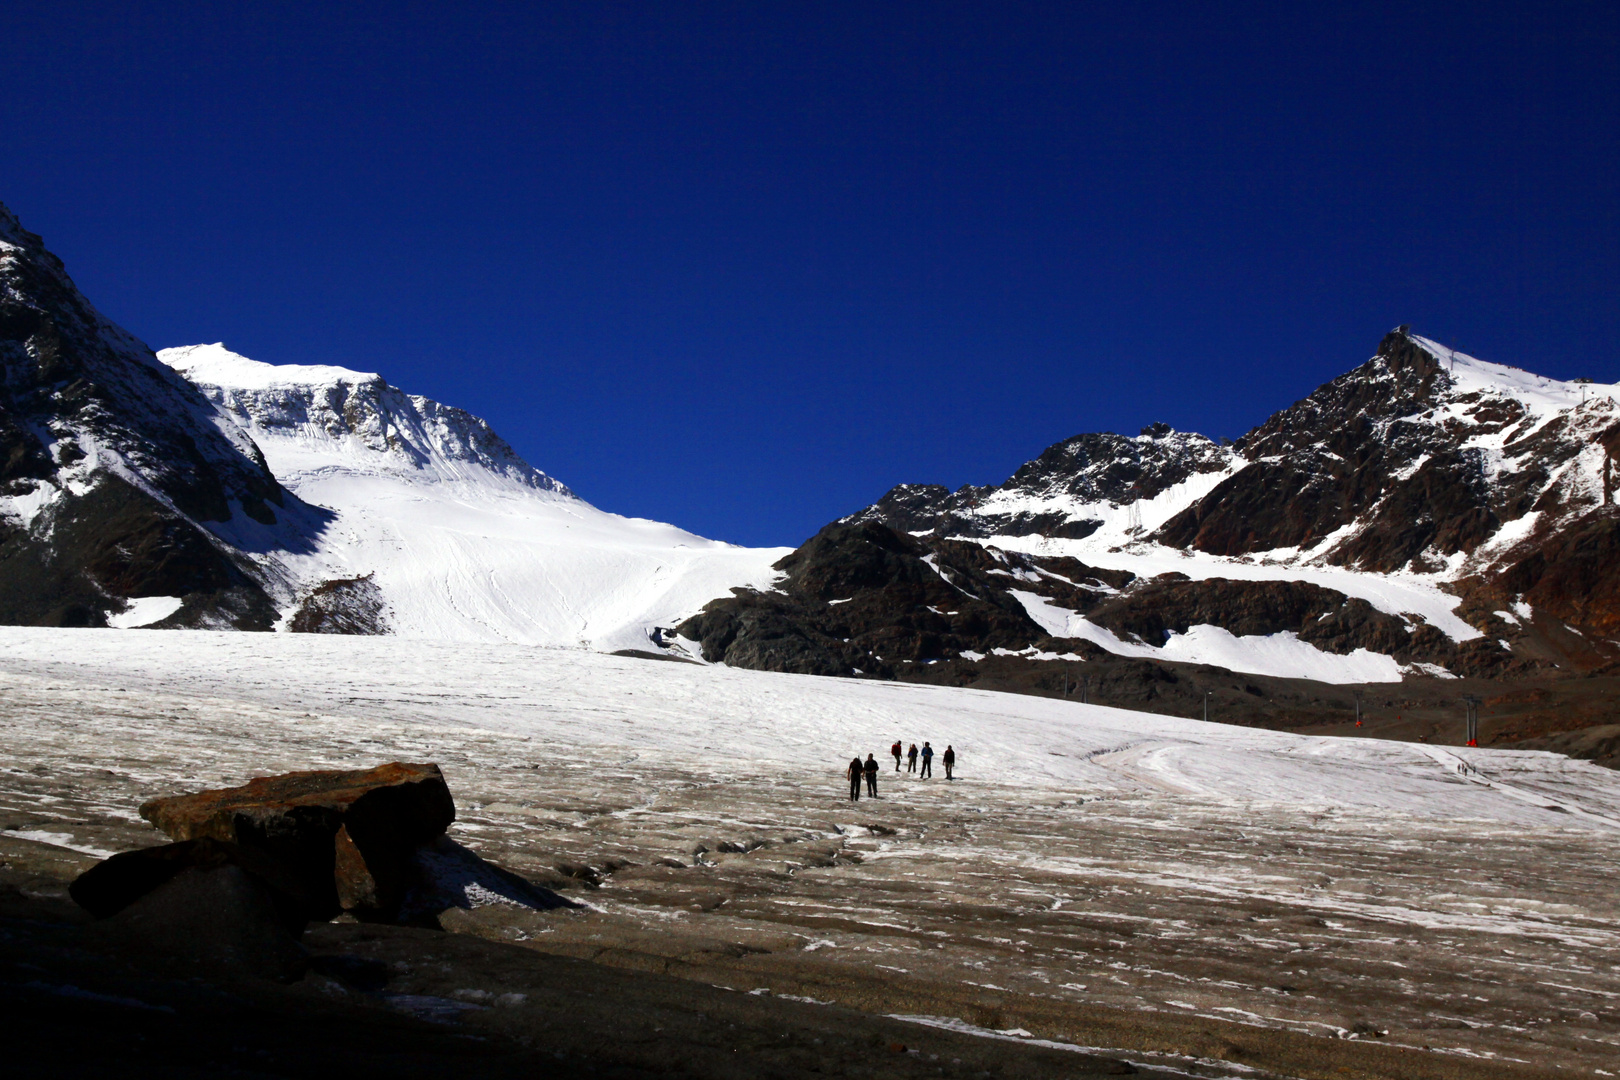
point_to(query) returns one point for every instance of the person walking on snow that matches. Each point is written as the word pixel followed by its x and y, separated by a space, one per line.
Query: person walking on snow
pixel 928 761
pixel 855 770
pixel 911 759
pixel 949 758
pixel 895 750
pixel 871 775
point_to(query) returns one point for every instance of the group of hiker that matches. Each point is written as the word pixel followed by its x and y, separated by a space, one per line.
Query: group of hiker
pixel 868 769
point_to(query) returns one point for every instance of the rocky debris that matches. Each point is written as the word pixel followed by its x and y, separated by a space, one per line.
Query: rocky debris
pixel 342 606
pixel 1599 745
pixel 350 835
pixel 115 471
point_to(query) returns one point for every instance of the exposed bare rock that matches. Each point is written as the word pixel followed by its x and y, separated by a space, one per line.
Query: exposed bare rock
pixel 119 881
pixel 342 606
pixel 117 480
pixel 350 835
pixel 863 597
pixel 1049 496
pixel 217 917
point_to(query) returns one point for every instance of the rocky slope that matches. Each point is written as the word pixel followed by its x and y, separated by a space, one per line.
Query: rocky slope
pixel 115 481
pixel 1446 515
pixel 1058 493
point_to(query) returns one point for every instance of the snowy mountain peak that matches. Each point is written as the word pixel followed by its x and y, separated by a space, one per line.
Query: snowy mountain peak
pixel 321 418
pixel 1074 488
pixel 1541 396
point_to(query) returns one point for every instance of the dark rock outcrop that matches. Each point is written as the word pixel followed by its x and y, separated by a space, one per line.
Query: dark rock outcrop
pixel 865 598
pixel 127 484
pixel 342 606
pixel 117 882
pixel 1094 468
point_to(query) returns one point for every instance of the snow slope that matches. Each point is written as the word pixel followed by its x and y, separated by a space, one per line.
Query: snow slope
pixel 464 539
pixel 681 712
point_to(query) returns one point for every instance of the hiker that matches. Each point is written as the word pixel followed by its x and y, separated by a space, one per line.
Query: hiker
pixel 911 758
pixel 895 750
pixel 871 776
pixel 949 758
pixel 928 760
pixel 855 770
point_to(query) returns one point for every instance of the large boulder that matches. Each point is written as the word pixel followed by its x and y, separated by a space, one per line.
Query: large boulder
pixel 119 881
pixel 221 918
pixel 349 836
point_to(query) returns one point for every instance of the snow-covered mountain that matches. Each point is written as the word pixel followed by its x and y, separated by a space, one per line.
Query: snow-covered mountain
pixel 1425 513
pixel 1071 490
pixel 440 529
pixel 315 415
pixel 207 490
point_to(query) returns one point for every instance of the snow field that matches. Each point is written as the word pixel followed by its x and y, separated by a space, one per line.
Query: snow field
pixel 686 711
pixel 465 540
pixel 1149 864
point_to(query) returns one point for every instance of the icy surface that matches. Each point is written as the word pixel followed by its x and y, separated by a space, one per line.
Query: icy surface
pixel 464 539
pixel 1442 896
pixel 575 697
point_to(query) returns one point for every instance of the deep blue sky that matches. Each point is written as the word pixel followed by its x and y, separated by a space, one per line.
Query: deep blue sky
pixel 744 266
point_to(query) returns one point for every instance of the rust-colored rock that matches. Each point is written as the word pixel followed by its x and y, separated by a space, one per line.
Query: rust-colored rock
pixel 383 816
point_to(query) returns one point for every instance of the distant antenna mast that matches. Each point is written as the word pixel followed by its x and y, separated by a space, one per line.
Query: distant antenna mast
pixel 1472 703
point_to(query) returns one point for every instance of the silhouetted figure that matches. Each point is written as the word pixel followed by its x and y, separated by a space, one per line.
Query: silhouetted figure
pixel 911 758
pixel 928 761
pixel 949 758
pixel 856 769
pixel 871 776
pixel 895 750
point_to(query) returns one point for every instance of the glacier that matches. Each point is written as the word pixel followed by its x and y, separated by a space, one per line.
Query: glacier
pixel 463 539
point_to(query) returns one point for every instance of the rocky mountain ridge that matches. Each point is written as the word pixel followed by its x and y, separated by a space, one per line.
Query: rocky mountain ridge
pixel 323 406
pixel 1060 492
pixel 1484 492
pixel 115 483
